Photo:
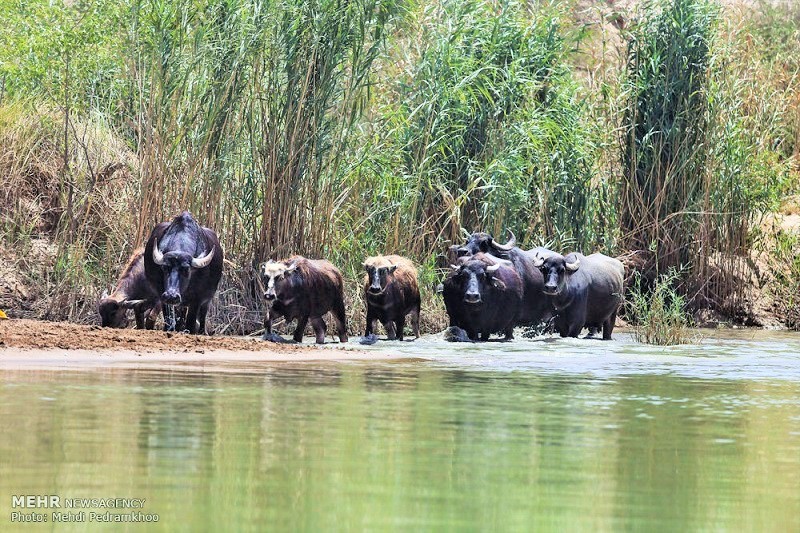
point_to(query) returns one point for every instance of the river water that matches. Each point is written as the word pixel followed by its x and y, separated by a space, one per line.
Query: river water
pixel 544 435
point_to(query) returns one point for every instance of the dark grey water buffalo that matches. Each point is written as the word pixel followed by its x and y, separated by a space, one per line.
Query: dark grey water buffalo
pixel 183 262
pixel 483 295
pixel 535 307
pixel 303 289
pixel 132 291
pixel 586 291
pixel 392 292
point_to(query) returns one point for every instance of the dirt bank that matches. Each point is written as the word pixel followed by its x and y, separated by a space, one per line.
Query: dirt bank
pixel 41 344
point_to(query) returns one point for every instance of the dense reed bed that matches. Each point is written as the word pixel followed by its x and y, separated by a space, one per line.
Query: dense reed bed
pixel 346 129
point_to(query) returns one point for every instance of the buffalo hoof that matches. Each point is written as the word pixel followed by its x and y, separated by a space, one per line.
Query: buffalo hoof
pixel 368 339
pixel 456 334
pixel 274 337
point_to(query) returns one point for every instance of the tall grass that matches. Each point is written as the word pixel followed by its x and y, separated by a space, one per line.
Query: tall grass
pixel 694 179
pixel 348 128
pixel 489 133
pixel 658 313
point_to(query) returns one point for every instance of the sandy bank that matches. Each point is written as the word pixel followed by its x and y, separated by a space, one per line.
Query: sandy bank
pixel 31 344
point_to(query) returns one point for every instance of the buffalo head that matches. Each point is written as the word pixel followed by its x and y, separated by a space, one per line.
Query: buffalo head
pixel 474 278
pixel 481 242
pixel 277 279
pixel 378 269
pixel 113 312
pixel 177 267
pixel 556 269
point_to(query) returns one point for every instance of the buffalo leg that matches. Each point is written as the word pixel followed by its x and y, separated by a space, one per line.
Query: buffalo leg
pixel 608 326
pixel 201 318
pixel 340 317
pixel 391 334
pixel 509 333
pixel 484 336
pixel 400 325
pixel 415 321
pixel 268 334
pixel 191 320
pixel 301 327
pixel 319 329
pixel 562 324
pixel 139 314
pixel 370 328
pixel 151 315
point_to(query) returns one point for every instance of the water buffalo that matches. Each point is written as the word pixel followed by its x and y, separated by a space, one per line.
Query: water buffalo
pixel 300 288
pixel 483 296
pixel 535 309
pixel 183 262
pixel 585 291
pixel 132 291
pixel 392 292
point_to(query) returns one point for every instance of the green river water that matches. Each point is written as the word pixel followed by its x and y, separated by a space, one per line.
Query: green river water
pixel 534 435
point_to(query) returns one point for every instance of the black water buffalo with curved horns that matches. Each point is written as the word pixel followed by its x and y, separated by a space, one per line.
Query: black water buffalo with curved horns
pixel 586 291
pixel 183 262
pixel 535 306
pixel 483 295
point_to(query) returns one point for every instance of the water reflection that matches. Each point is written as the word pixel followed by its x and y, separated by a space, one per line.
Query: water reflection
pixel 380 446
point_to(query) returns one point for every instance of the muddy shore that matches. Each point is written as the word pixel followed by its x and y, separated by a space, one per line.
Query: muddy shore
pixel 33 344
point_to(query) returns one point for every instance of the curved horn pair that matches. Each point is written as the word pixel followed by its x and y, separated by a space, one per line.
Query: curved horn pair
pixel 512 241
pixel 197 262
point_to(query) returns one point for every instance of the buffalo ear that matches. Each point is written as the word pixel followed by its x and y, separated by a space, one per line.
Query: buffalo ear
pixel 498 284
pixel 391 269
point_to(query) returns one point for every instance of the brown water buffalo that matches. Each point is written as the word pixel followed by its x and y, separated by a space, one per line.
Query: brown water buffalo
pixel 183 262
pixel 483 295
pixel 535 308
pixel 392 292
pixel 586 291
pixel 303 289
pixel 132 291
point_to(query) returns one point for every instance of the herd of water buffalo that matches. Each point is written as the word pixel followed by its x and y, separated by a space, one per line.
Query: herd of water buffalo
pixel 490 289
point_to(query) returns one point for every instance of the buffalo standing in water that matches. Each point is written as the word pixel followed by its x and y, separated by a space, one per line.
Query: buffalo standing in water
pixel 535 306
pixel 132 291
pixel 586 291
pixel 183 262
pixel 483 295
pixel 303 289
pixel 392 292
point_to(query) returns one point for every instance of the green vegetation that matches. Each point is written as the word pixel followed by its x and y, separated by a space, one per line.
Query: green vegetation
pixel 659 315
pixel 345 129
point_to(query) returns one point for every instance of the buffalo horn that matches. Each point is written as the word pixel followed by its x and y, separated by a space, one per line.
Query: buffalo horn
pixel 492 269
pixel 573 266
pixel 130 304
pixel 158 257
pixel 456 268
pixel 538 261
pixel 508 245
pixel 204 260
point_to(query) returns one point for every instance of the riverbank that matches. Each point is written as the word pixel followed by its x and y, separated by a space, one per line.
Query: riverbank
pixel 41 345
